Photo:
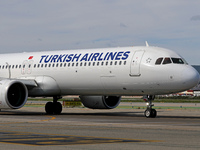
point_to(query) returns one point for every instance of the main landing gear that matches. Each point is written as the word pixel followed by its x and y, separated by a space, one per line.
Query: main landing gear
pixel 54 107
pixel 149 112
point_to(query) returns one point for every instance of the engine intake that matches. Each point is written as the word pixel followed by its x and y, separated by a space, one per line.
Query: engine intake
pixel 100 102
pixel 13 94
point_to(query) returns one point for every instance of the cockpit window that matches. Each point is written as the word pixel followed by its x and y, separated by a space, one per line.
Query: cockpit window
pixel 177 61
pixel 158 61
pixel 167 60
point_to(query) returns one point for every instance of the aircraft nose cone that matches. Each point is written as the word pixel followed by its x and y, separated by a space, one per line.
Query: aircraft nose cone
pixel 190 77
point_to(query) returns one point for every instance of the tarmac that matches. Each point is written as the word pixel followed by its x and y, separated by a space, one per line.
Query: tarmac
pixel 84 129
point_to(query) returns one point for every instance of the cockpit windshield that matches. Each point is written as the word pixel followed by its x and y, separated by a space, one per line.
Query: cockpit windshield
pixel 159 61
pixel 168 60
pixel 177 61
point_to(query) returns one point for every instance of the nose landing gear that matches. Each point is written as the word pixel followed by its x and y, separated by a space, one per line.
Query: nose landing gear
pixel 149 112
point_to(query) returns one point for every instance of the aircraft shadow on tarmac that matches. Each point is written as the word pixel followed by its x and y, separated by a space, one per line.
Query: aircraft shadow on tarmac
pixel 109 114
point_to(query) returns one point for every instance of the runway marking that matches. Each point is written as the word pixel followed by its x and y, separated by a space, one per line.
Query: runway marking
pixel 51 118
pixel 34 139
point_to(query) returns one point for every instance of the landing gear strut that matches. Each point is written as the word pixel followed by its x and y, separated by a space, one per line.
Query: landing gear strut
pixel 149 112
pixel 54 107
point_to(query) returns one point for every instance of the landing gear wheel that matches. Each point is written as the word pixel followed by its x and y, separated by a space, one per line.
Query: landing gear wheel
pixel 147 113
pixel 57 108
pixel 150 113
pixel 49 108
pixel 54 107
pixel 154 113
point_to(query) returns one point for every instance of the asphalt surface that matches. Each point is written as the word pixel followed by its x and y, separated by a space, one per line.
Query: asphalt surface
pixel 82 128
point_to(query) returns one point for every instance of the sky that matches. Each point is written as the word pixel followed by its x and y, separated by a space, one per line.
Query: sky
pixel 42 25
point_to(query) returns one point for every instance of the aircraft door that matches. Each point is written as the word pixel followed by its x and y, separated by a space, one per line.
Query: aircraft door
pixel 30 65
pixel 27 67
pixel 24 67
pixel 135 63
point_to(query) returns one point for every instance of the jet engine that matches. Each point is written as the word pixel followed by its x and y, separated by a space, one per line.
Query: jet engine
pixel 100 102
pixel 13 94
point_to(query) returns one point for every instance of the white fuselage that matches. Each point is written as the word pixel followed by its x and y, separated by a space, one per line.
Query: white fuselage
pixel 106 71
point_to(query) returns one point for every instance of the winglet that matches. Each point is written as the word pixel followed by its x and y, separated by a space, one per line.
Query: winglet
pixel 147 45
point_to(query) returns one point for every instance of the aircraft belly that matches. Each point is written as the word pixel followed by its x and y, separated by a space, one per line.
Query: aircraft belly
pixel 76 82
pixel 80 83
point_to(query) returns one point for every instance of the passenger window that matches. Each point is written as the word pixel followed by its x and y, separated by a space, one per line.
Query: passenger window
pixel 85 64
pixel 60 64
pixel 38 65
pixel 49 65
pixel 64 64
pixel 159 61
pixel 81 64
pixel 72 64
pixel 106 63
pixel 115 62
pixel 13 66
pixel 16 66
pixel 45 65
pixel 177 61
pixel 53 65
pixel 89 63
pixel 102 63
pixel 34 66
pixel 167 61
pixel 124 62
pixel 93 63
pixel 3 67
pixel 19 66
pixel 120 62
pixel 111 63
pixel 97 63
pixel 57 65
pixel 76 64
pixel 42 66
pixel 68 64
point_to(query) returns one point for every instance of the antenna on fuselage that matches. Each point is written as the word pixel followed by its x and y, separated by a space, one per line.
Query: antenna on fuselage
pixel 147 45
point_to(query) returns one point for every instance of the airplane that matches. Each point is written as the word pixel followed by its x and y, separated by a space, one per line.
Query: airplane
pixel 98 76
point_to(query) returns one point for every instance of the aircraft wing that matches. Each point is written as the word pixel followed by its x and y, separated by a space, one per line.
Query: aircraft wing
pixel 30 83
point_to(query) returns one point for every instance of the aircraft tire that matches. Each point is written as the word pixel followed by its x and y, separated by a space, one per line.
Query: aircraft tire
pixel 147 113
pixel 154 113
pixel 49 108
pixel 57 108
pixel 150 113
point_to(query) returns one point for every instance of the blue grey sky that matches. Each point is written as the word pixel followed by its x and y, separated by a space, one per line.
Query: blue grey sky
pixel 39 25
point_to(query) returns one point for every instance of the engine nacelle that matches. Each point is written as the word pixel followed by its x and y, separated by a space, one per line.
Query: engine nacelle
pixel 13 94
pixel 100 102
